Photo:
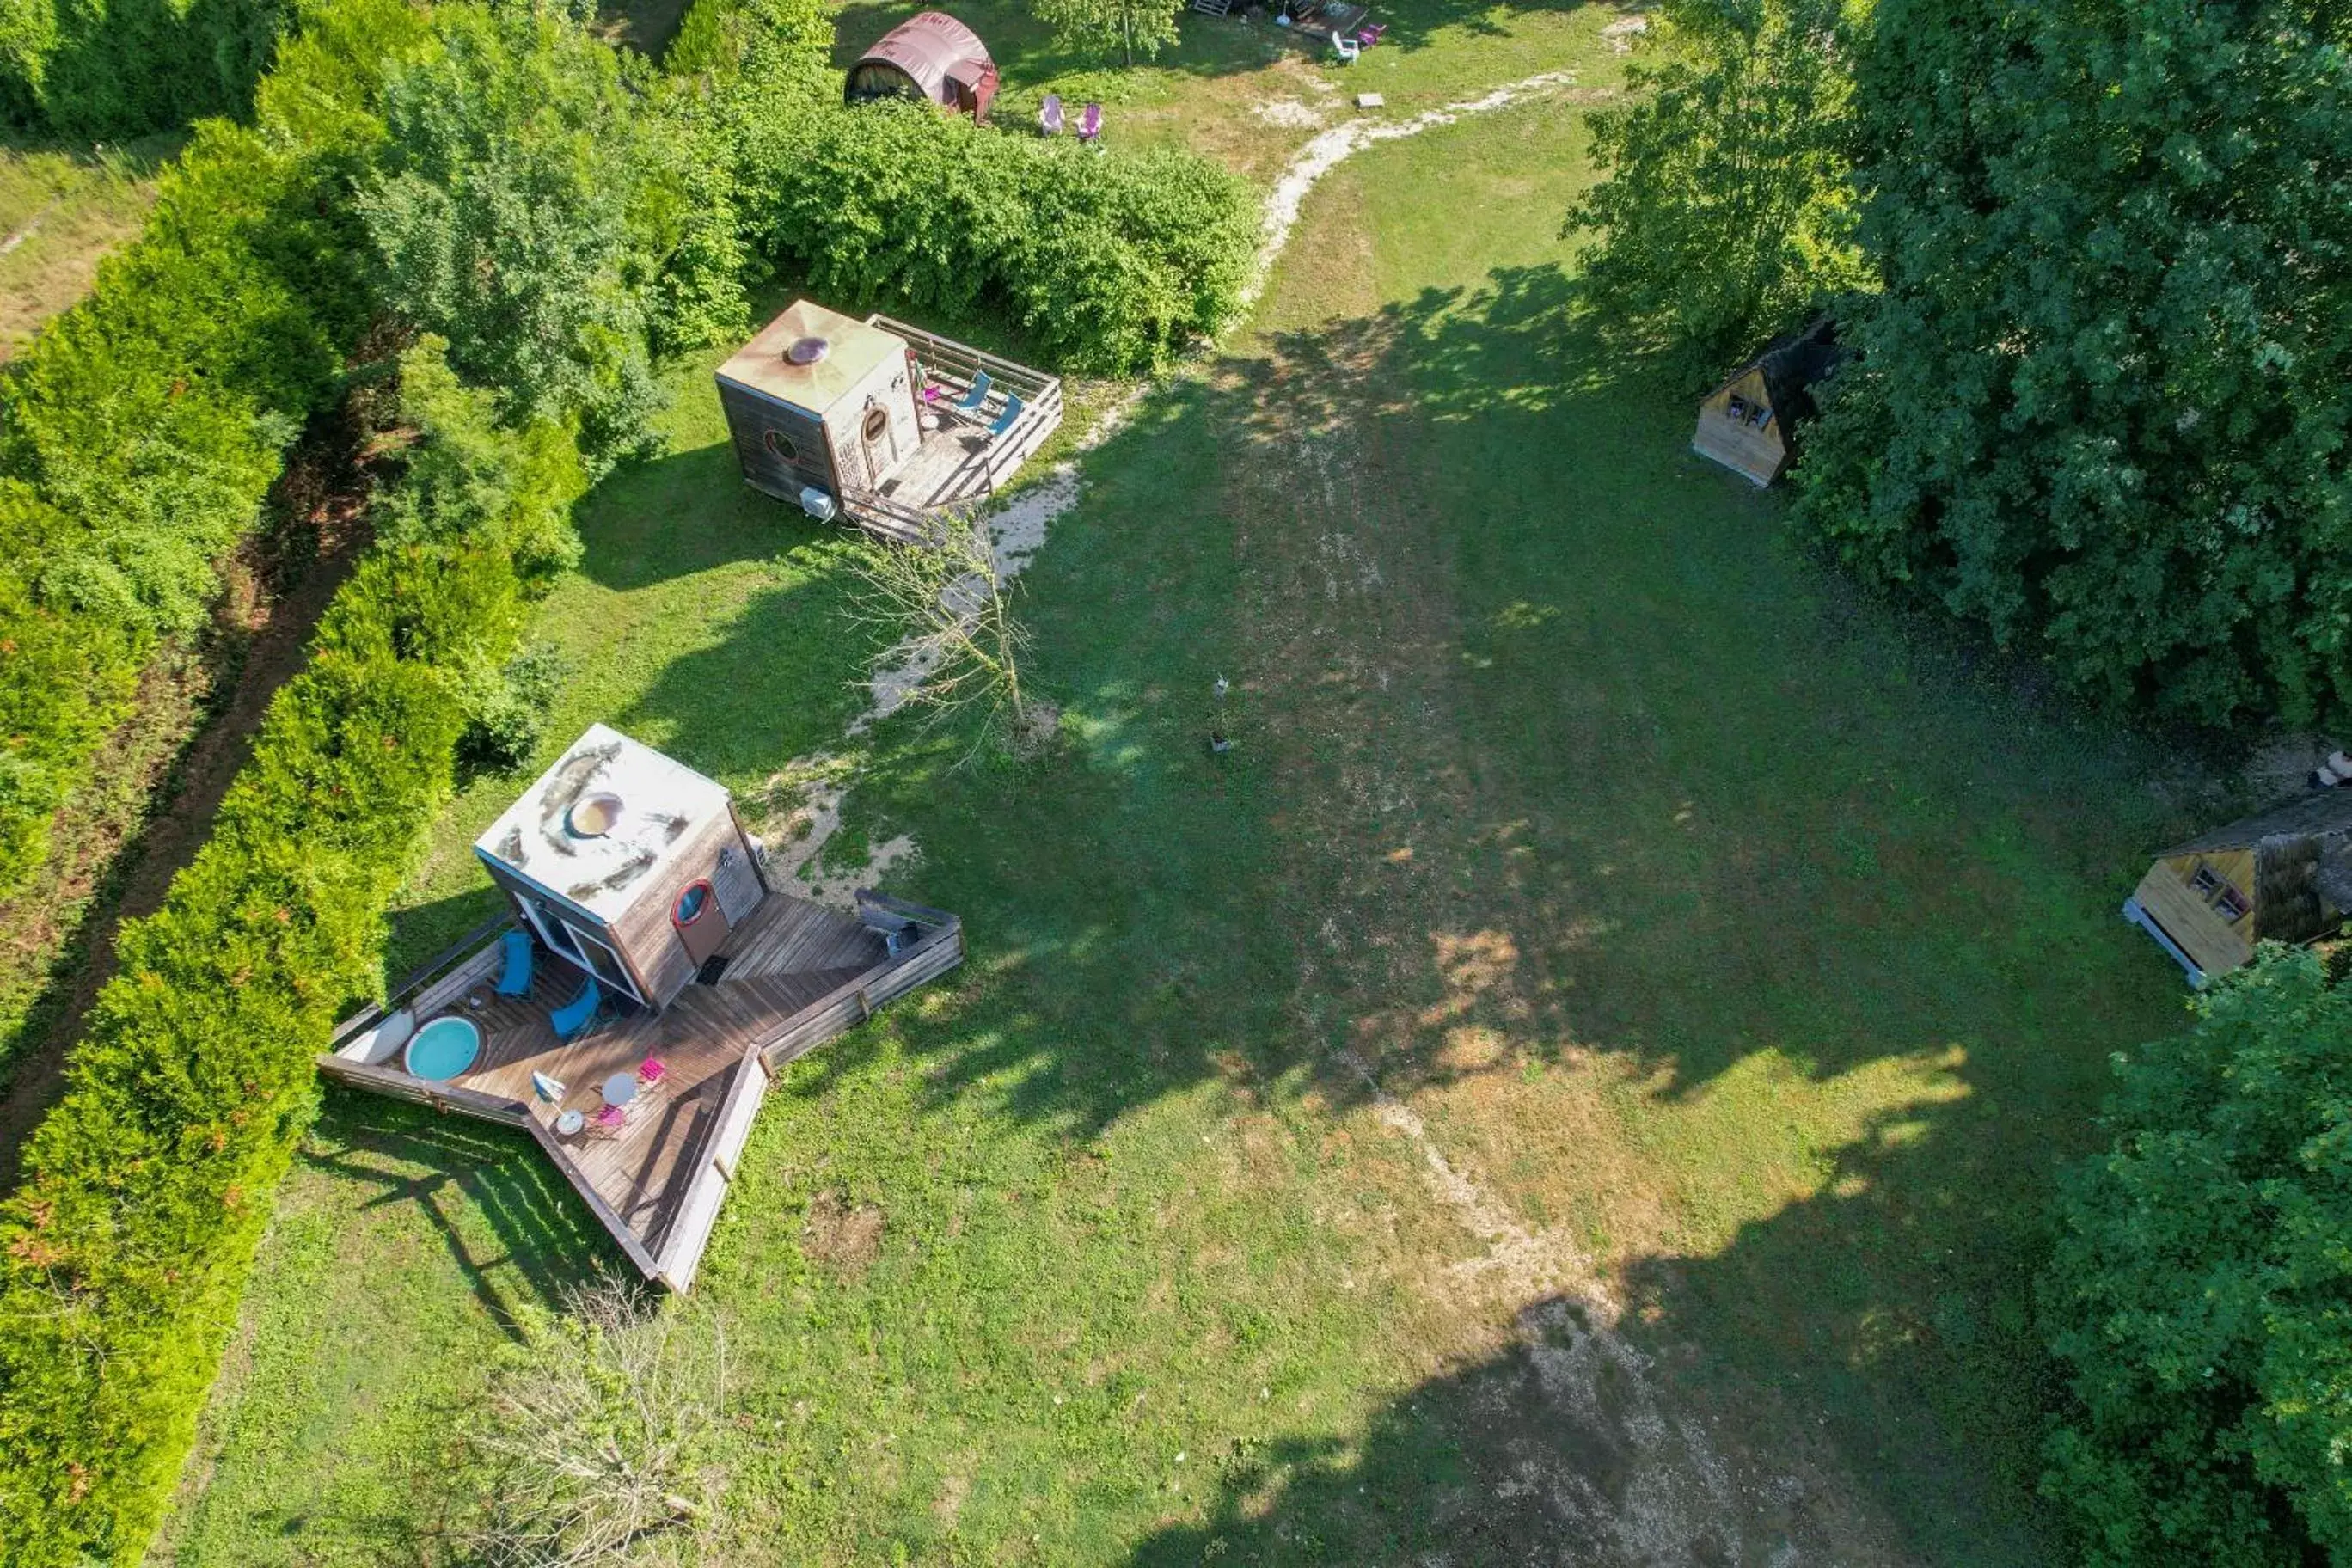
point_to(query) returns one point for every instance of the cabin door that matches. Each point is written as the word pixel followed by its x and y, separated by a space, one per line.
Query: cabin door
pixel 700 922
pixel 878 444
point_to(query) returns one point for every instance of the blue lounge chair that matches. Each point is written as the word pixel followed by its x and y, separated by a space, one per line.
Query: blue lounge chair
pixel 971 401
pixel 514 980
pixel 579 1013
pixel 1004 421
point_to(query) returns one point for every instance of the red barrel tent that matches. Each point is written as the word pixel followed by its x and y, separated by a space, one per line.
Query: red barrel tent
pixel 930 57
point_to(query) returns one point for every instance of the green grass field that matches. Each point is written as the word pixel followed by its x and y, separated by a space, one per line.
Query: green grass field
pixel 60 212
pixel 1579 1080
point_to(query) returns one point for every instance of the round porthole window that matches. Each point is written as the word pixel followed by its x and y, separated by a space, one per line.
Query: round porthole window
pixel 692 902
pixel 877 422
pixel 781 445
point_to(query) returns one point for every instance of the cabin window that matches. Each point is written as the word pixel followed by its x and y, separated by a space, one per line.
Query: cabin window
pixel 2218 891
pixel 877 423
pixel 2232 904
pixel 780 445
pixel 692 904
pixel 1740 409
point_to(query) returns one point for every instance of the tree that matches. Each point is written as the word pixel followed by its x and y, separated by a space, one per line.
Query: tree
pixel 594 1446
pixel 2200 1294
pixel 960 645
pixel 509 216
pixel 1727 208
pixel 2100 408
pixel 1127 26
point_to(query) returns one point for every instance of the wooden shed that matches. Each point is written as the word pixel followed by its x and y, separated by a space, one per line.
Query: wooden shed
pixel 931 58
pixel 2284 875
pixel 629 865
pixel 1749 423
pixel 827 403
pixel 881 420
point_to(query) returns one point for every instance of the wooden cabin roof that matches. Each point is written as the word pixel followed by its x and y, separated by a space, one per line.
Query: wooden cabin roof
pixel 1791 366
pixel 852 349
pixel 2316 813
pixel 664 804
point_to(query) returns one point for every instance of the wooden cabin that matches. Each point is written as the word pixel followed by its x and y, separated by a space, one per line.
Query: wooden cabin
pixel 1749 423
pixel 931 58
pixel 622 867
pixel 2284 875
pixel 879 419
pixel 628 864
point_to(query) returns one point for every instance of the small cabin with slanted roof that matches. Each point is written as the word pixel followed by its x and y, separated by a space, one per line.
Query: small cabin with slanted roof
pixel 631 866
pixel 2283 875
pixel 1749 423
pixel 878 420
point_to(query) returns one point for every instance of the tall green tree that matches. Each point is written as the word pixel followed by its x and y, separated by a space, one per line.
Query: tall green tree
pixel 511 214
pixel 2102 401
pixel 1100 27
pixel 1728 206
pixel 2200 1294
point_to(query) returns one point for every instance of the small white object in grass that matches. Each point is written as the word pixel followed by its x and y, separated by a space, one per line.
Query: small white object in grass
pixel 1371 101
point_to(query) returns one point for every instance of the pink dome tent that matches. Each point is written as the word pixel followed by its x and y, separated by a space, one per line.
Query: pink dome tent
pixel 930 57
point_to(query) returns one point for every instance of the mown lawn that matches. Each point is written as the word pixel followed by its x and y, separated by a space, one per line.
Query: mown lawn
pixel 1579 1080
pixel 60 212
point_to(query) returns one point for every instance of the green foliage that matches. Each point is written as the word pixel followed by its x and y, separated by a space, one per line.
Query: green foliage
pixel 2199 1293
pixel 1110 263
pixel 84 70
pixel 140 434
pixel 506 712
pixel 1728 208
pixel 2100 408
pixel 1105 26
pixel 524 208
pixel 143 1191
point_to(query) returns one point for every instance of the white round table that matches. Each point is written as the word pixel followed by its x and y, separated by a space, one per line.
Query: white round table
pixel 621 1088
pixel 569 1124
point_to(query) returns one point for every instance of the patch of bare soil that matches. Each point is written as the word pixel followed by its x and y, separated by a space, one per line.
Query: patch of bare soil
pixel 842 1238
pixel 150 803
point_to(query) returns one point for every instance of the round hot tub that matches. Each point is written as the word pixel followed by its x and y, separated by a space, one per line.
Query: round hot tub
pixel 443 1049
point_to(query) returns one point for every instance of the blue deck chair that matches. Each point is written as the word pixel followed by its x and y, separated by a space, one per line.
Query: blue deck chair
pixel 577 1015
pixel 971 401
pixel 514 980
pixel 1004 421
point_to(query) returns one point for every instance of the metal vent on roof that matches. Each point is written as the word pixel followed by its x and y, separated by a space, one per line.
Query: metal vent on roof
pixel 594 815
pixel 807 351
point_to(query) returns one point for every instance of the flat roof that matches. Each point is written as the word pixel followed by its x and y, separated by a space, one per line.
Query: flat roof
pixel 661 803
pixel 852 350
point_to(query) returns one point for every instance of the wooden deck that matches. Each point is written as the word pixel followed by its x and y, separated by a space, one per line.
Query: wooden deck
pixel 960 463
pixel 797 975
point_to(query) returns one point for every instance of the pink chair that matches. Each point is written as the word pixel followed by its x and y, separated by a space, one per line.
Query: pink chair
pixel 651 1071
pixel 1090 123
pixel 1049 114
pixel 609 1122
pixel 1369 36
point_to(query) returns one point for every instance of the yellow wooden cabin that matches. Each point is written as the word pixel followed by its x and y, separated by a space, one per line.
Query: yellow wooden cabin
pixel 1748 424
pixel 2284 875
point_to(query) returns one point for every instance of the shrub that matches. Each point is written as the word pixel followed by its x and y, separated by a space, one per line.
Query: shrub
pixel 1111 263
pixel 2198 1293
pixel 85 69
pixel 123 1253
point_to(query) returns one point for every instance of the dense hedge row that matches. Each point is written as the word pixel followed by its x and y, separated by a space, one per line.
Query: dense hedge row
pixel 123 1253
pixel 1110 263
pixel 141 432
pixel 89 69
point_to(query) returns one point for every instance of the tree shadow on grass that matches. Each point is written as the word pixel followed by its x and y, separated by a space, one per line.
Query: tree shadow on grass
pixel 513 1226
pixel 1554 751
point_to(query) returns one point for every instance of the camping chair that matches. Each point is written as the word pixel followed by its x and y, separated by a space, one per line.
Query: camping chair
pixel 1049 114
pixel 1090 124
pixel 1370 33
pixel 969 404
pixel 514 952
pixel 1346 48
pixel 1004 421
pixel 573 1017
pixel 609 1122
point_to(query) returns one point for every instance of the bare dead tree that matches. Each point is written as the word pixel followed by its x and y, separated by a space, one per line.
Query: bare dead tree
pixel 591 1448
pixel 960 645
